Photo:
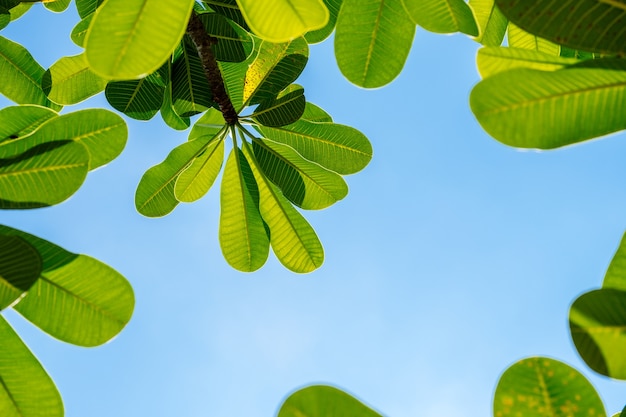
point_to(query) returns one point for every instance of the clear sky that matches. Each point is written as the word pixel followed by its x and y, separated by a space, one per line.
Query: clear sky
pixel 452 257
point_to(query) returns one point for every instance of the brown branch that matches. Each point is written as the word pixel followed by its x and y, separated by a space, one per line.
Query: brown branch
pixel 204 43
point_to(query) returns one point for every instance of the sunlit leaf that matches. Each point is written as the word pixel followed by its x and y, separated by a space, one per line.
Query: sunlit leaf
pixel 491 22
pixel 543 387
pixel 26 389
pixel 70 81
pixel 234 43
pixel 56 5
pixel 140 99
pixel 339 148
pixel 42 175
pixel 536 109
pixel 442 16
pixel 282 110
pixel 598 327
pixel 304 183
pixel 616 274
pixel 275 67
pixel 319 35
pixel 155 193
pixel 21 75
pixel 209 124
pixel 243 235
pixel 314 113
pixel 191 93
pixel 80 31
pixel 196 180
pixel 590 25
pixel 20 266
pixel 132 38
pixel 518 38
pixel 101 132
pixel 18 121
pixel 372 41
pixel 324 401
pixel 493 60
pixel 292 238
pixel 284 19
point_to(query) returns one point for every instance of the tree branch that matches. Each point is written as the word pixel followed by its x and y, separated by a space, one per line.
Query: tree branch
pixel 204 43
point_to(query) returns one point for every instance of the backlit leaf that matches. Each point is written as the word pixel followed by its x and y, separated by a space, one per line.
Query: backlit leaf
pixel 536 109
pixel 292 238
pixel 616 274
pixel 283 20
pixel 493 60
pixel 80 31
pixel 20 266
pixel 87 7
pixel 339 148
pixel 314 113
pixel 598 326
pixel 518 38
pixel 304 183
pixel 324 401
pixel 21 75
pixel 70 81
pixel 196 180
pixel 18 121
pixel 130 39
pixel 243 236
pixel 56 5
pixel 442 16
pixel 209 124
pixel 542 387
pixel 26 389
pixel 491 22
pixel 168 114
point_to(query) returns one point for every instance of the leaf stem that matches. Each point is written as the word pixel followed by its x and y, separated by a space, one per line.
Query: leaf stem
pixel 204 44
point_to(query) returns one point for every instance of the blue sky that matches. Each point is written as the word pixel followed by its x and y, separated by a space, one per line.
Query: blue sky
pixel 452 257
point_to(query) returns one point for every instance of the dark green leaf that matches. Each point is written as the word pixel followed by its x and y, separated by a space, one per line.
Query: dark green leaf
pixel 20 266
pixel 282 110
pixel 140 99
pixel 229 9
pixel 319 35
pixel 191 93
pixel 234 44
pixel 314 113
pixel 57 5
pixel 168 114
pixel 87 7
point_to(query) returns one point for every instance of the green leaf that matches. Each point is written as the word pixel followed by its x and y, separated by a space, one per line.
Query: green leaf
pixel 26 389
pixel 598 326
pixel 101 132
pixel 168 114
pixel 275 67
pixel 292 238
pixel 304 183
pixel 196 180
pixel 229 9
pixel 80 31
pixel 372 41
pixel 282 110
pixel 285 20
pixel 535 109
pixel 314 113
pixel 20 266
pixel 19 10
pixel 243 235
pixel 493 60
pixel 338 148
pixel 518 38
pixel 442 16
pixel 18 121
pixel 589 25
pixel 324 401
pixel 191 93
pixel 319 35
pixel 57 5
pixel 234 75
pixel 42 175
pixel 140 99
pixel 76 299
pixel 616 274
pixel 491 22
pixel 130 39
pixel 155 193
pixel 70 81
pixel 542 387
pixel 209 124
pixel 21 75
pixel 87 7
pixel 234 43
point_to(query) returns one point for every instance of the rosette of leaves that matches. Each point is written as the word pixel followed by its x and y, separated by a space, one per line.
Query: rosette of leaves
pixel 284 153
